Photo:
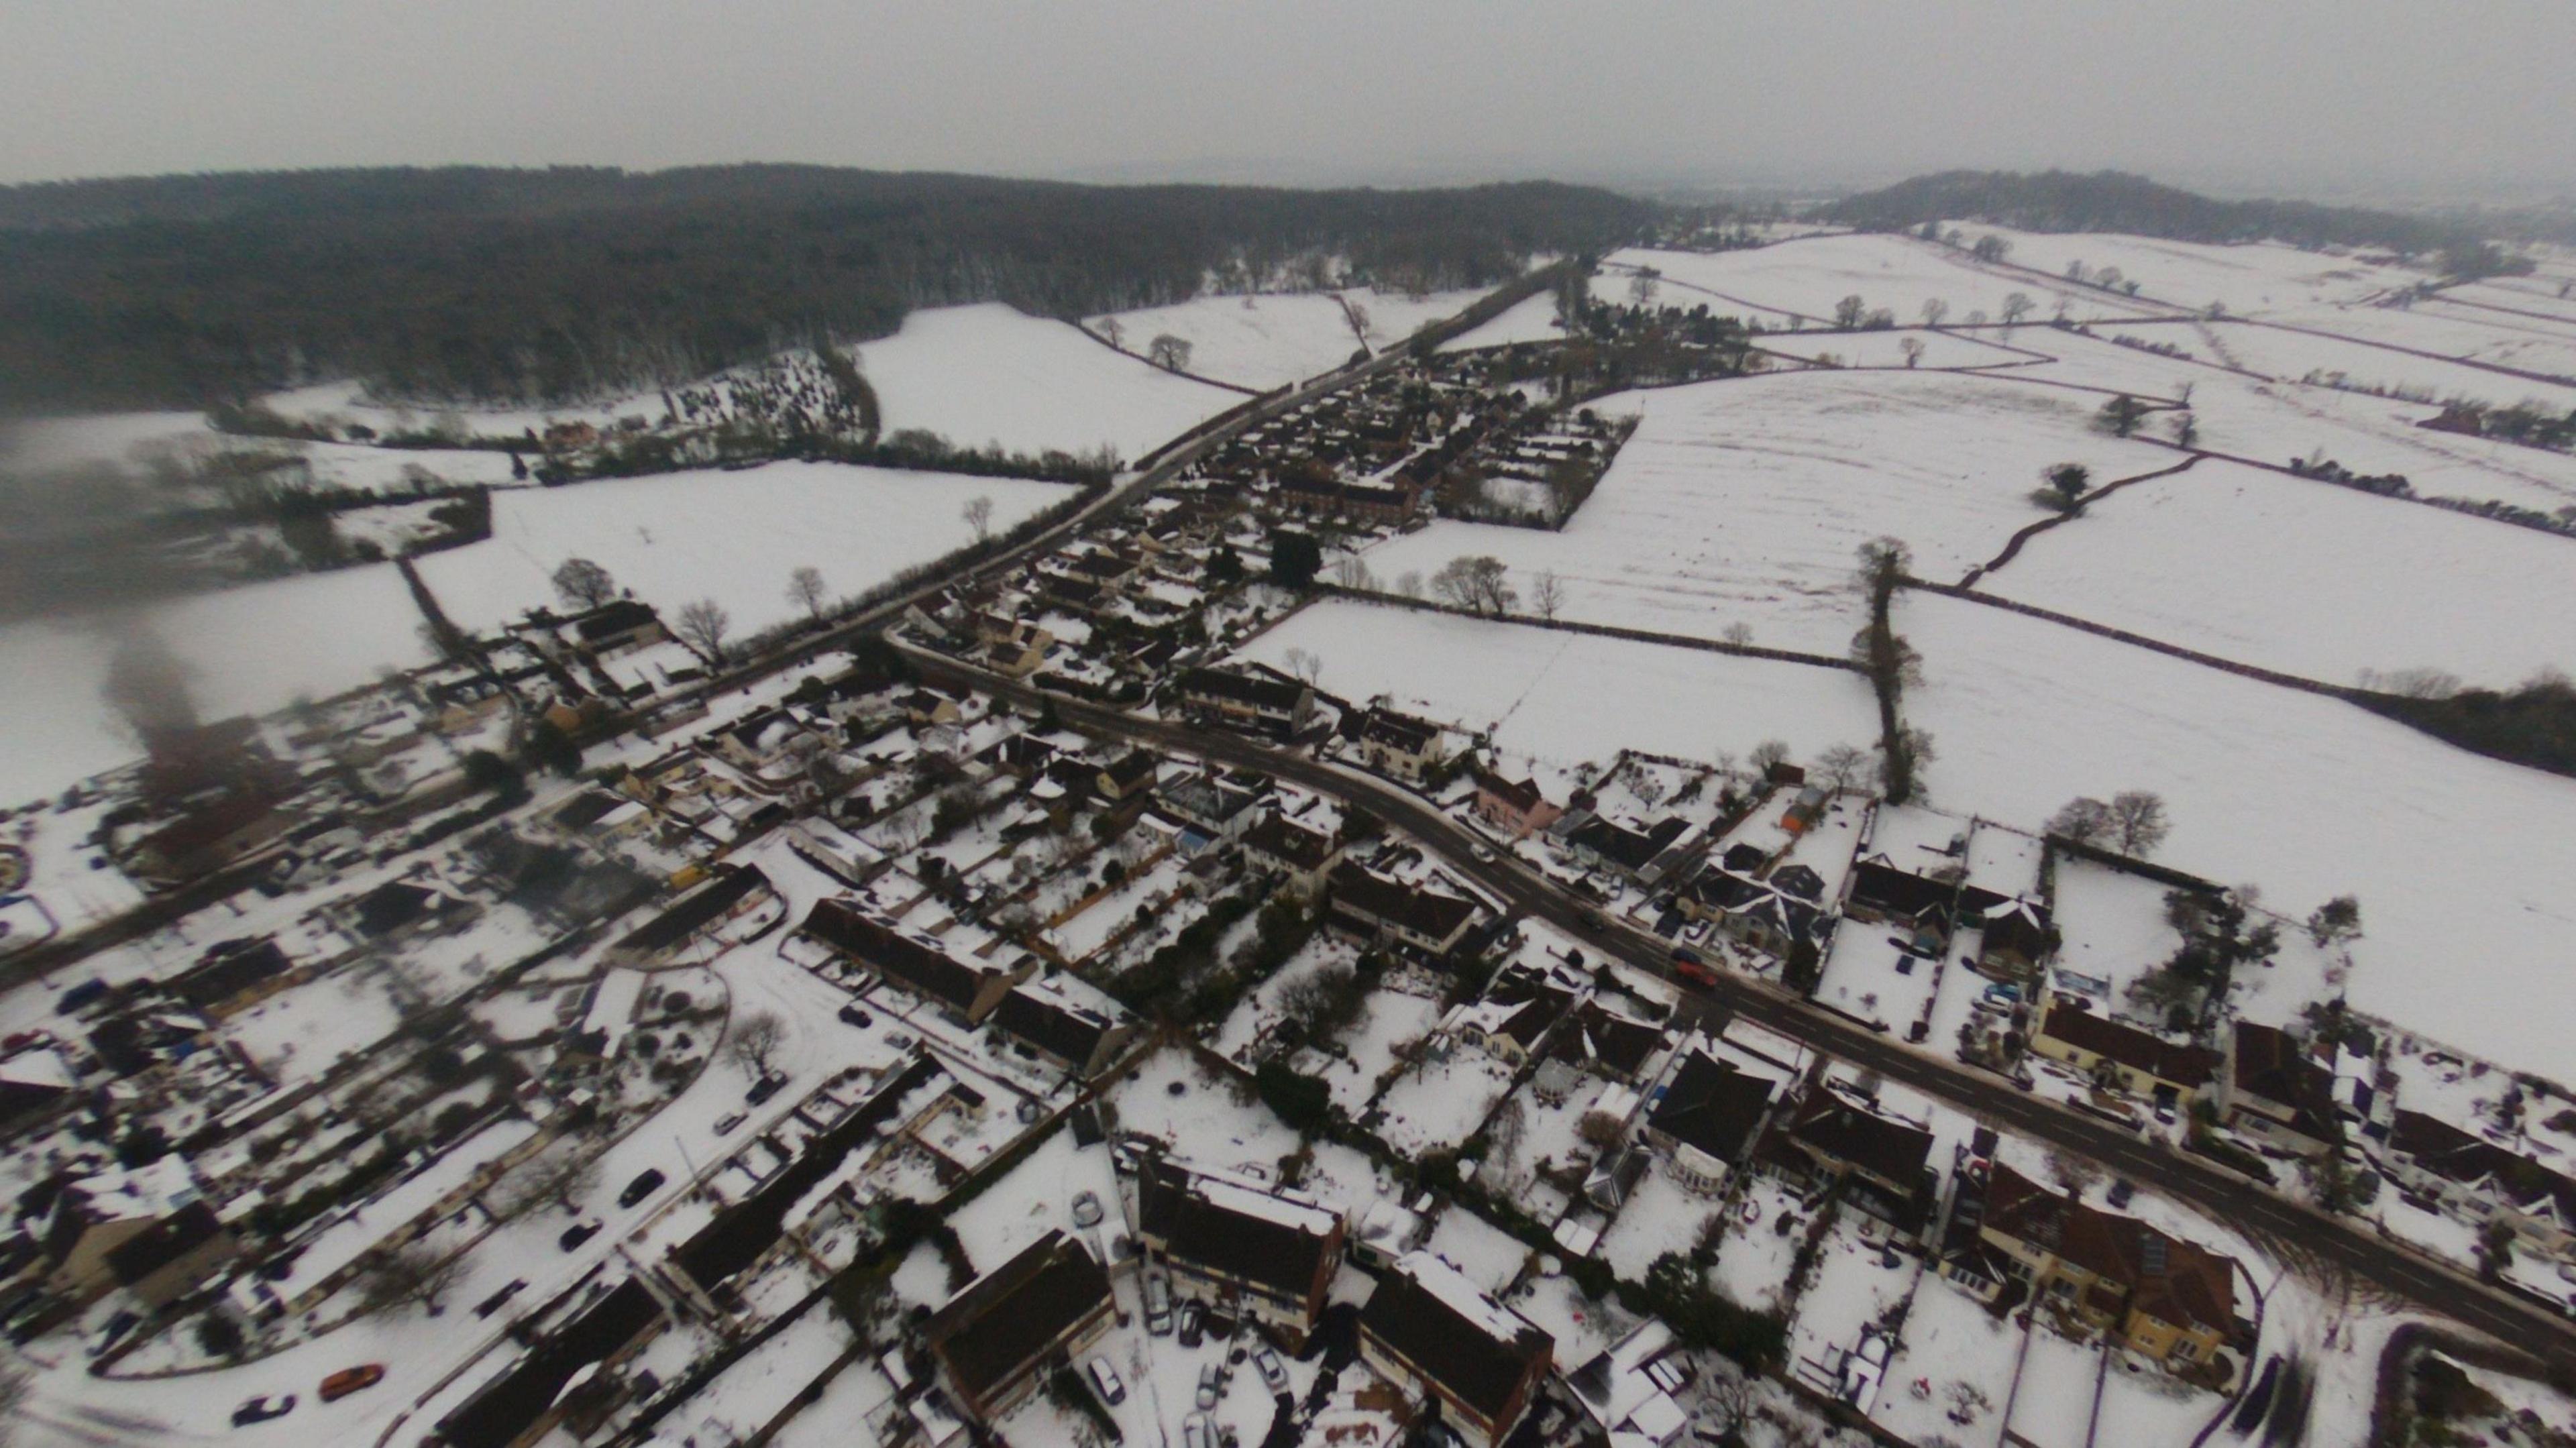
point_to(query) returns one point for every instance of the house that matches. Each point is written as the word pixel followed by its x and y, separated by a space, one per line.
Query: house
pixel 2018 940
pixel 930 709
pixel 1639 855
pixel 995 1339
pixel 1130 776
pixel 1882 1163
pixel 1047 1023
pixel 2276 1092
pixel 1710 1113
pixel 1399 745
pixel 759 738
pixel 2476 1180
pixel 170 1258
pixel 1386 504
pixel 399 909
pixel 735 891
pixel 95 1215
pixel 1514 808
pixel 1764 919
pixel 1300 856
pixel 969 992
pixel 1264 703
pixel 234 975
pixel 620 627
pixel 33 1082
pixel 1013 647
pixel 2123 1056
pixel 2160 1297
pixel 1515 1015
pixel 1387 911
pixel 1475 1362
pixel 1630 1388
pixel 1263 1253
pixel 1607 1042
pixel 1806 808
pixel 599 815
pixel 1215 812
pixel 208 838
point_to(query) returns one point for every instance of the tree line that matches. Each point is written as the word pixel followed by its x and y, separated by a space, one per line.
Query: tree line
pixel 547 287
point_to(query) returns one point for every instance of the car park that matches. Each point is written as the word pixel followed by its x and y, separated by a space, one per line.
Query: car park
pixel 261 1409
pixel 645 1184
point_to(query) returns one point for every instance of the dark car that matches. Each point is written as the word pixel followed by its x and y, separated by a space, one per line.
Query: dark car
pixel 260 1410
pixel 644 1185
pixel 764 1088
pixel 576 1234
pixel 1193 1323
pixel 852 1015
pixel 492 1304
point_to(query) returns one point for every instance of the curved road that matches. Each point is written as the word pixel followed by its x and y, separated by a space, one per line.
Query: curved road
pixel 2222 1193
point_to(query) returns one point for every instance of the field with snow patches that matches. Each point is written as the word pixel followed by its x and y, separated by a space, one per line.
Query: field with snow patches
pixel 1264 340
pixel 1743 501
pixel 730 536
pixel 1563 697
pixel 2253 278
pixel 1804 279
pixel 986 374
pixel 252 649
pixel 2307 577
pixel 2460 862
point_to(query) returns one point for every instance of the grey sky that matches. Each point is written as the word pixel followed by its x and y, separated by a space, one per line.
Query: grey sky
pixel 2280 94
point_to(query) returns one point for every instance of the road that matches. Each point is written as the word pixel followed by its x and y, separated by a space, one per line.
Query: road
pixel 2216 1190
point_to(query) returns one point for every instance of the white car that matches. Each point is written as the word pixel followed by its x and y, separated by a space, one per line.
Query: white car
pixel 1086 1210
pixel 1274 1373
pixel 1158 1304
pixel 1211 1385
pixel 1105 1378
pixel 1196 1433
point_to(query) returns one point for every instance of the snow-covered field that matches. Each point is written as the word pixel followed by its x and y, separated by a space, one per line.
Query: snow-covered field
pixel 2460 862
pixel 730 536
pixel 2483 336
pixel 2309 578
pixel 1261 341
pixel 1564 697
pixel 1804 279
pixel 1531 319
pixel 1743 501
pixel 2252 278
pixel 985 374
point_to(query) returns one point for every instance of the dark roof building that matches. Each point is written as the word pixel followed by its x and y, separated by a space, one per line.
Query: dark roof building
pixel 1259 1251
pixel 972 992
pixel 993 1339
pixel 1430 1328
pixel 1078 1038
pixel 1710 1114
pixel 1375 906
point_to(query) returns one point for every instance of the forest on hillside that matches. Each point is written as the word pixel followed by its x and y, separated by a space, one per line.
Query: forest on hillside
pixel 551 286
pixel 2117 201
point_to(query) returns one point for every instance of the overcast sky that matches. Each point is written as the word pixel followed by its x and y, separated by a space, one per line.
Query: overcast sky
pixel 2283 95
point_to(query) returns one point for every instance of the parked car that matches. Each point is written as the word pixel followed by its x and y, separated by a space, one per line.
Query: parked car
pixel 853 1015
pixel 508 1290
pixel 728 1122
pixel 644 1185
pixel 576 1234
pixel 1195 1432
pixel 260 1410
pixel 1482 852
pixel 1211 1385
pixel 1158 1304
pixel 351 1380
pixel 1086 1209
pixel 764 1088
pixel 2121 1190
pixel 1274 1373
pixel 1193 1323
pixel 1105 1378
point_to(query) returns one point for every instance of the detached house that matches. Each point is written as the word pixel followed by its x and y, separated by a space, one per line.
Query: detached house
pixel 995 1341
pixel 2278 1093
pixel 1399 745
pixel 1515 808
pixel 1299 856
pixel 1390 912
pixel 145 1229
pixel 619 627
pixel 1882 1163
pixel 1042 1021
pixel 734 892
pixel 1708 1117
pixel 1266 1254
pixel 2122 1055
pixel 2477 1180
pixel 1474 1361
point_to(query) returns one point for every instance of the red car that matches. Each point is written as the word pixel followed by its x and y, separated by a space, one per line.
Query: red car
pixel 351 1380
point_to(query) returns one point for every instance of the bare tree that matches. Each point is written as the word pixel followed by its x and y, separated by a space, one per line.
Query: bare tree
pixel 583 584
pixel 978 514
pixel 2085 820
pixel 1305 664
pixel 1850 312
pixel 2017 305
pixel 1912 347
pixel 1842 765
pixel 1168 352
pixel 805 586
pixel 753 1043
pixel 1641 285
pixel 1767 756
pixel 1738 633
pixel 1352 571
pixel 1112 331
pixel 2138 817
pixel 561 1178
pixel 411 1275
pixel 1475 582
pixel 1547 594
pixel 1409 583
pixel 703 626
pixel 1934 309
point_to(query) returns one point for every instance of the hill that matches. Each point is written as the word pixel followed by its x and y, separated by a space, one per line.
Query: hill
pixel 2118 201
pixel 546 286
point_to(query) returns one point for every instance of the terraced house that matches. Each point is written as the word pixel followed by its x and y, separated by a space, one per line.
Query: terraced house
pixel 2104 1275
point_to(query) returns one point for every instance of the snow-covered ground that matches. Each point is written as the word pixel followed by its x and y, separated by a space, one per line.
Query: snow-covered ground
pixel 2256 277
pixel 2309 578
pixel 1531 319
pixel 1263 340
pixel 2548 348
pixel 1805 279
pixel 2459 861
pixel 1744 501
pixel 1564 697
pixel 986 375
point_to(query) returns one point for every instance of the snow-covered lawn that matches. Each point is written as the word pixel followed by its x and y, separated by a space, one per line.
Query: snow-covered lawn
pixel 1807 277
pixel 1660 1217
pixel 2548 348
pixel 2455 858
pixel 2309 578
pixel 1753 1260
pixel 1852 1289
pixel 1440 1105
pixel 1563 698
pixel 1743 501
pixel 1950 1340
pixel 2053 1406
pixel 986 374
pixel 730 536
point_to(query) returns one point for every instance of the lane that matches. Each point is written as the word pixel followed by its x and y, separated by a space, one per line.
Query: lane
pixel 2222 1193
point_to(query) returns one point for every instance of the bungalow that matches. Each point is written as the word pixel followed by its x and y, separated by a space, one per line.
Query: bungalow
pixel 969 992
pixel 1515 1016
pixel 1267 1254
pixel 760 738
pixel 1709 1114
pixel 2278 1093
pixel 399 909
pixel 1258 702
pixel 1373 907
pixel 998 1337
pixel 2121 1055
pixel 1515 808
pixel 1881 1163
pixel 2018 940
pixel 1476 1363
pixel 1300 856
pixel 1399 745
pixel 1635 854
pixel 735 891
pixel 2160 1297
pixel 599 815
pixel 1046 1023
pixel 1607 1042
